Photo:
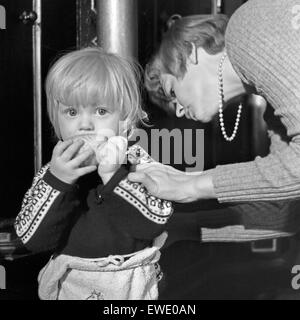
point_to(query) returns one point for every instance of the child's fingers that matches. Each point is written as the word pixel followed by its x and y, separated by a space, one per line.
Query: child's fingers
pixel 85 170
pixel 61 146
pixel 71 150
pixel 77 161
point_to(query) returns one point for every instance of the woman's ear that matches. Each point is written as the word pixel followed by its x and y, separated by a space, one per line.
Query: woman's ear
pixel 198 56
pixel 193 58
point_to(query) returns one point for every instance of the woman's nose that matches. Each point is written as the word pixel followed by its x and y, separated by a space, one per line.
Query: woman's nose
pixel 179 110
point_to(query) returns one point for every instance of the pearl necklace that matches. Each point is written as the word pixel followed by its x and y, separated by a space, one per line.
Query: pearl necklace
pixel 221 100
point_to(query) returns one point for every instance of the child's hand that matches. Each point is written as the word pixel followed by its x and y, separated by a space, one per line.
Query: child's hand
pixel 65 162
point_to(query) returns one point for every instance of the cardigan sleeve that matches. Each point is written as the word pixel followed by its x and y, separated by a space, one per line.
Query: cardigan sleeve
pixel 142 215
pixel 274 177
pixel 268 60
pixel 47 210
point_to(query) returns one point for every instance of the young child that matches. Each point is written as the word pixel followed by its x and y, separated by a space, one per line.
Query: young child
pixel 106 233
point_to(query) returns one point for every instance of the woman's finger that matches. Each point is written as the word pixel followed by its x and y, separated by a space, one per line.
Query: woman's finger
pixel 136 176
pixel 150 184
pixel 148 165
pixel 158 168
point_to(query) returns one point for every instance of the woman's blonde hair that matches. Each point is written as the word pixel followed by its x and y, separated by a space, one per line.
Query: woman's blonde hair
pixel 206 31
pixel 92 76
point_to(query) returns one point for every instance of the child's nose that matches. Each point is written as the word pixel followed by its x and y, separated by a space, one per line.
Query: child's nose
pixel 86 123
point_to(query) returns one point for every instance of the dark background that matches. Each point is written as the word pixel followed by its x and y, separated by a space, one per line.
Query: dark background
pixel 16 91
pixel 66 25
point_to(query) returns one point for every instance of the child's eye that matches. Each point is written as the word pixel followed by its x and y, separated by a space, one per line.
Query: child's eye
pixel 101 111
pixel 71 112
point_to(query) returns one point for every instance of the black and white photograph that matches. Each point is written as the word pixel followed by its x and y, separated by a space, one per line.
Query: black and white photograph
pixel 150 152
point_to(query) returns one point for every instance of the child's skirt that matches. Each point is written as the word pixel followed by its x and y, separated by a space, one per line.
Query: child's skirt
pixel 128 277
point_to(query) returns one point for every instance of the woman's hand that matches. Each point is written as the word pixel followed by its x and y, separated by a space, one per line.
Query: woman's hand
pixel 66 162
pixel 168 183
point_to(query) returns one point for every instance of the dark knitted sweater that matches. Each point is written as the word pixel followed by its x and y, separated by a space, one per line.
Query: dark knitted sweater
pixel 89 219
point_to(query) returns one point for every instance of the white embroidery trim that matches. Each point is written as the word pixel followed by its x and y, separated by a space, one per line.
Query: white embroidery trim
pixel 137 155
pixel 37 201
pixel 137 195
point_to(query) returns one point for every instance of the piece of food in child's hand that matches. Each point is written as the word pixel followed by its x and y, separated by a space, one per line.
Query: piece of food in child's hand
pixel 111 154
pixel 91 142
pixel 113 151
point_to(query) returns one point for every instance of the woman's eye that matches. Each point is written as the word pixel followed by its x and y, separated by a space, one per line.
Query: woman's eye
pixel 101 111
pixel 172 93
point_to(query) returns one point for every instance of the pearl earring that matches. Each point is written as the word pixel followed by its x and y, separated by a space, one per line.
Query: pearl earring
pixel 221 100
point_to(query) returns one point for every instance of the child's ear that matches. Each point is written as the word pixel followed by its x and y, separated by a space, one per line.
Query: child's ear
pixel 124 128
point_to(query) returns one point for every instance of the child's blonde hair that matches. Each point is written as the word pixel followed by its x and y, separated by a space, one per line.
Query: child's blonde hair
pixel 92 76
